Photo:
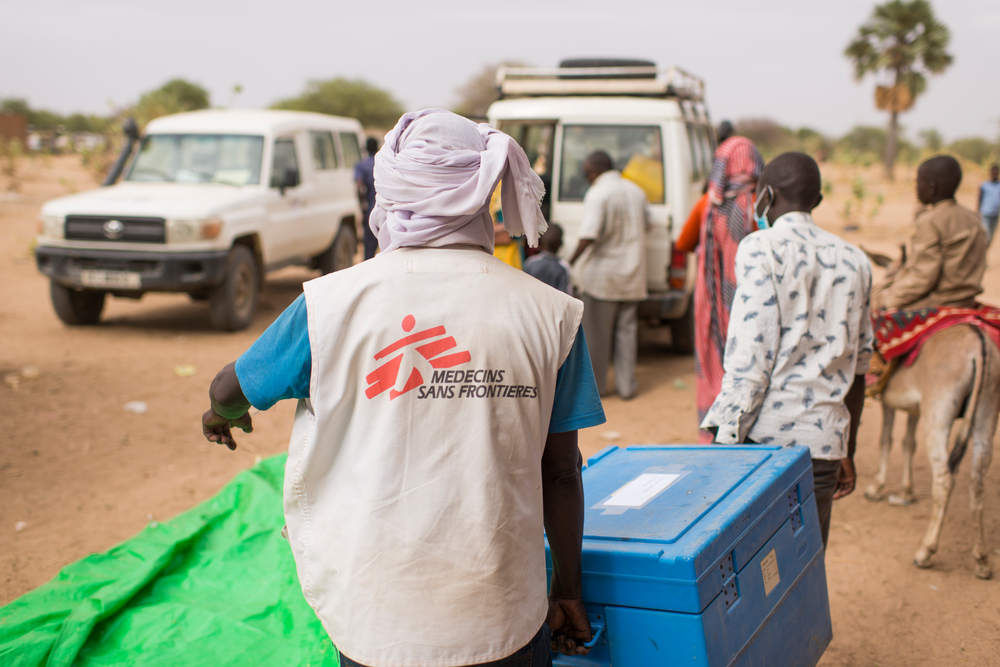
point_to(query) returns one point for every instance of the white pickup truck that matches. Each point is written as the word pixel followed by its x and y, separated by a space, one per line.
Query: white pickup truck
pixel 209 202
pixel 652 122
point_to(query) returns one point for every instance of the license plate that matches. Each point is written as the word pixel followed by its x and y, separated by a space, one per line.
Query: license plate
pixel 112 279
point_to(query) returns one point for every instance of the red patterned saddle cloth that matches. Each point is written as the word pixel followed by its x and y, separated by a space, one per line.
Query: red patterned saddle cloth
pixel 901 333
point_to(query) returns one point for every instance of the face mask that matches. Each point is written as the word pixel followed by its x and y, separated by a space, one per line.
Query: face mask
pixel 761 219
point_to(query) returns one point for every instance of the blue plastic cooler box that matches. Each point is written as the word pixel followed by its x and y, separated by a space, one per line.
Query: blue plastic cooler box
pixel 703 556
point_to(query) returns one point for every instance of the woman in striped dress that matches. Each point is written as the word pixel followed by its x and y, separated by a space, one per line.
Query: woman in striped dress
pixel 735 171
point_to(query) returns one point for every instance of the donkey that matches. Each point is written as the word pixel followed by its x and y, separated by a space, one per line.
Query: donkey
pixel 955 376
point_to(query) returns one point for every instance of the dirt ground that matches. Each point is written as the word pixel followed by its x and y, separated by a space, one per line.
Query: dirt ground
pixel 78 473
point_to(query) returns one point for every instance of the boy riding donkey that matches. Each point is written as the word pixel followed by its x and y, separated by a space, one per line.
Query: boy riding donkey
pixel 938 278
pixel 935 370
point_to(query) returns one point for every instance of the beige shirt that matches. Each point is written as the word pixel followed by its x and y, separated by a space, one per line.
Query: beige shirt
pixel 945 261
pixel 615 216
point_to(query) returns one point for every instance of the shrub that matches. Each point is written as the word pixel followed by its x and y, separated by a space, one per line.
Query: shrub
pixel 11 152
pixel 359 99
pixel 974 149
pixel 773 139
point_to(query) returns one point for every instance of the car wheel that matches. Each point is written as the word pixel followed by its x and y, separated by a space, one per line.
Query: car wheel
pixel 340 254
pixel 233 303
pixel 682 331
pixel 75 306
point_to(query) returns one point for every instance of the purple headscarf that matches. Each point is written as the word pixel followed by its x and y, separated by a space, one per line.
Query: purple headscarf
pixel 434 177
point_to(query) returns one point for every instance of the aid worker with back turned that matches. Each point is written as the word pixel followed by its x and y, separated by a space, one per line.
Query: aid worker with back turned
pixel 440 392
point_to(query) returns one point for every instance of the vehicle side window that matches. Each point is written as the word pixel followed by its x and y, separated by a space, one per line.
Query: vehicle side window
pixel 706 150
pixel 636 151
pixel 284 161
pixel 352 152
pixel 323 150
pixel 697 159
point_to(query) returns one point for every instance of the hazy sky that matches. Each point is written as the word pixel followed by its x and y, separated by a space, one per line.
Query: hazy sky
pixel 780 59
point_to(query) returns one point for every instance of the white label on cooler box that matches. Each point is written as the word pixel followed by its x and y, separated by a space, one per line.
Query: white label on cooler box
pixel 641 490
pixel 769 568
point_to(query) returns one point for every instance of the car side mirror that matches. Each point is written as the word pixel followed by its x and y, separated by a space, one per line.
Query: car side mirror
pixel 290 180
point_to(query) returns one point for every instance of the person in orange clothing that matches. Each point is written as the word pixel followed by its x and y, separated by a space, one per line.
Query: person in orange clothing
pixel 727 220
pixel 691 232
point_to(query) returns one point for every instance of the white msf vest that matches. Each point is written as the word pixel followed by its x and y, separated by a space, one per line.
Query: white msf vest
pixel 413 485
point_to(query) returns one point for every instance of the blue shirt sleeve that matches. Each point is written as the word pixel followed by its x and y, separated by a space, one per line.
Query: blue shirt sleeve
pixel 577 404
pixel 279 364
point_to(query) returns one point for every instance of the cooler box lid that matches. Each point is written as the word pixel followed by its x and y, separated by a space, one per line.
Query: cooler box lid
pixel 667 526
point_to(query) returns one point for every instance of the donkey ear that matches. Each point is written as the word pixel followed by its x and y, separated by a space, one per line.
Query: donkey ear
pixel 902 253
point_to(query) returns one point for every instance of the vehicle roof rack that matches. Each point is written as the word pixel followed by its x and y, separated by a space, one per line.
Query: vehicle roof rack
pixel 647 81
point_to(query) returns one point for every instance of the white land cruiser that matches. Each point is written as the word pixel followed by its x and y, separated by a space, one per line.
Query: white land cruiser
pixel 210 201
pixel 654 125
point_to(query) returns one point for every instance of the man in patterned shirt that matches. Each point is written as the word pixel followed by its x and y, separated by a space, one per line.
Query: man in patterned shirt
pixel 800 337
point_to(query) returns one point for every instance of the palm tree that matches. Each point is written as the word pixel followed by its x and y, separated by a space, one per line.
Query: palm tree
pixel 905 41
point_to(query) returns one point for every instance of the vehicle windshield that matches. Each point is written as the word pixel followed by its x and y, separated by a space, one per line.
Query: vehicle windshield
pixel 636 151
pixel 230 159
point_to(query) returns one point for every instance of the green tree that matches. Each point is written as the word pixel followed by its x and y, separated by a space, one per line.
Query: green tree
pixel 973 149
pixel 933 141
pixel 477 94
pixel 374 107
pixel 905 41
pixel 865 145
pixel 15 105
pixel 772 139
pixel 36 117
pixel 175 96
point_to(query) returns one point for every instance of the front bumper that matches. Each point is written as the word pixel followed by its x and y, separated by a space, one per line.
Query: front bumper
pixel 671 305
pixel 158 271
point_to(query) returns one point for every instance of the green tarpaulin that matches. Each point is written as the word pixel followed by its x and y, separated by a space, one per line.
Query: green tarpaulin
pixel 214 586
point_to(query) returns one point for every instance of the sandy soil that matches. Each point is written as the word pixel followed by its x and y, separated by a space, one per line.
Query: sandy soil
pixel 82 474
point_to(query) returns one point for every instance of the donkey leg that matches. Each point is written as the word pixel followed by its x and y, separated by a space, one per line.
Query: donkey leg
pixel 909 447
pixel 876 490
pixel 982 454
pixel 936 429
pixel 979 550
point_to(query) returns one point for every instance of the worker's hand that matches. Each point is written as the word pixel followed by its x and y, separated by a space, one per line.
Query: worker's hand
pixel 219 429
pixel 848 477
pixel 570 627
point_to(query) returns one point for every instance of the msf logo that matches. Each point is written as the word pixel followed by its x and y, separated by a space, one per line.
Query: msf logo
pixel 387 376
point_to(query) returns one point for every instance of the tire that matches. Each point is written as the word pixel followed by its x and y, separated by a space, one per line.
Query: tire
pixel 682 331
pixel 233 303
pixel 340 254
pixel 77 307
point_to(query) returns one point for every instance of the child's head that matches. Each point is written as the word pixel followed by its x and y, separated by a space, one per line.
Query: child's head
pixel 995 172
pixel 938 178
pixel 552 239
pixel 790 182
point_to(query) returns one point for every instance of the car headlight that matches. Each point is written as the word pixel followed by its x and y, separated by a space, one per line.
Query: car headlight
pixel 51 225
pixel 183 231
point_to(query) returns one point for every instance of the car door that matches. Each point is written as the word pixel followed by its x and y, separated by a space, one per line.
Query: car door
pixel 287 210
pixel 323 210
